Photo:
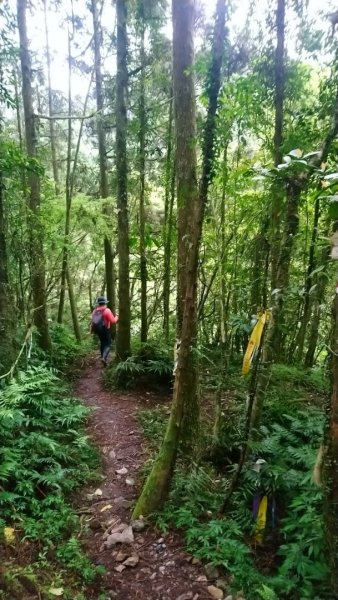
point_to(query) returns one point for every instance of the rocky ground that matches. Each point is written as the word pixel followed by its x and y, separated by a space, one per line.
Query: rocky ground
pixel 140 562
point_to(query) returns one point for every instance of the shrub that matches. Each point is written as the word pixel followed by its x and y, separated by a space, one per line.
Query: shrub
pixel 44 455
pixel 149 368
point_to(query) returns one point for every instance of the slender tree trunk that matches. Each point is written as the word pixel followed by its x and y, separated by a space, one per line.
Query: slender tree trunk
pixel 68 191
pixel 123 336
pixel 101 135
pixel 277 190
pixel 308 284
pixel 168 221
pixel 294 190
pixel 7 334
pixel 260 267
pixel 142 164
pixel 317 304
pixel 36 241
pixel 73 307
pixel 331 461
pixel 158 482
pixel 50 106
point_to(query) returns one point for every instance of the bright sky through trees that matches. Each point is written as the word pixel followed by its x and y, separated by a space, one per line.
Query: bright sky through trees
pixel 57 24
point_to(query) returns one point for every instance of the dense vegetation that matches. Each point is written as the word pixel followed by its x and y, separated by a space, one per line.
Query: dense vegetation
pixel 192 179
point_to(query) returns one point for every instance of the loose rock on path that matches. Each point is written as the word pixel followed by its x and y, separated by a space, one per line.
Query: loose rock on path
pixel 141 563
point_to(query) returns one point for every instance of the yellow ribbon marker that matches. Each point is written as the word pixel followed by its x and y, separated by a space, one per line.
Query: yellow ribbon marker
pixel 261 520
pixel 9 534
pixel 254 341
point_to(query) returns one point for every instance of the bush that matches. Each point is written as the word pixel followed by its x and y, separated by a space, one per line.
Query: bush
pixel 294 539
pixel 65 348
pixel 149 368
pixel 44 456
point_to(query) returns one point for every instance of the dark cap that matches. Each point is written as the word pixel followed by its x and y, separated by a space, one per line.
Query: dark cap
pixel 101 300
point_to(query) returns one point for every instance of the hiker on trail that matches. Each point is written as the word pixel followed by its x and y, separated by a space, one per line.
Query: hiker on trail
pixel 102 319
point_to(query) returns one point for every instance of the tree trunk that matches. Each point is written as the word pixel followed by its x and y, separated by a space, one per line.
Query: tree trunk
pixel 37 265
pixel 331 461
pixel 73 307
pixel 158 482
pixel 7 334
pixel 168 222
pixel 191 206
pixel 123 336
pixel 68 191
pixel 277 191
pixel 317 303
pixel 101 135
pixel 260 268
pixel 142 162
pixel 294 190
pixel 213 83
pixel 50 106
pixel 308 284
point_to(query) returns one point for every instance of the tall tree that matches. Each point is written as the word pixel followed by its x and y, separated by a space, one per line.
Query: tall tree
pixel 157 485
pixel 37 265
pixel 101 135
pixel 142 167
pixel 55 165
pixel 123 335
pixel 168 220
pixel 277 192
pixel 6 305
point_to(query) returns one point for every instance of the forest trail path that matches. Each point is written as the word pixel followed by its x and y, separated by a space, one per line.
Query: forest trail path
pixel 163 571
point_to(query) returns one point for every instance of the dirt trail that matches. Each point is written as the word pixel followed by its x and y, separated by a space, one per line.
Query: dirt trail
pixel 163 570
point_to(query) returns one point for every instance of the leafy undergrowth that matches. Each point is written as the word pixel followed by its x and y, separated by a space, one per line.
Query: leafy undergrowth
pixel 45 456
pixel 291 561
pixel 150 367
pixel 66 351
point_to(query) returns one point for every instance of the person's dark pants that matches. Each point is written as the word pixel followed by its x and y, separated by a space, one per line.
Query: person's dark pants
pixel 105 342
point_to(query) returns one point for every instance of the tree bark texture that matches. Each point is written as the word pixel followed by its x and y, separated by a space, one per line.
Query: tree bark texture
pixel 142 166
pixel 7 334
pixel 168 221
pixel 158 482
pixel 37 265
pixel 123 335
pixel 308 284
pixel 277 191
pixel 73 307
pixel 50 106
pixel 101 136
pixel 331 461
pixel 66 242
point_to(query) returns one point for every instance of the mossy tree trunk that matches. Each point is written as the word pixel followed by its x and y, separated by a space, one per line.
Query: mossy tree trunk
pixel 191 202
pixel 37 263
pixel 157 484
pixel 123 334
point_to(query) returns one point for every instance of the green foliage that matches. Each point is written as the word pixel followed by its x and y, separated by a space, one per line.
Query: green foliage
pixel 65 349
pixel 44 456
pixel 150 367
pixel 72 555
pixel 288 442
pixel 153 422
